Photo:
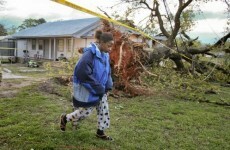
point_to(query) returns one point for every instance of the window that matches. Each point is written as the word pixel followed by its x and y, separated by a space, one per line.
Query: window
pixel 33 44
pixel 60 45
pixel 40 44
pixel 69 45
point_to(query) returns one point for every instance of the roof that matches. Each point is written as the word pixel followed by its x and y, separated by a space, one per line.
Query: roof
pixel 71 28
pixel 126 30
pixel 79 28
pixel 2 37
pixel 160 37
pixel 6 38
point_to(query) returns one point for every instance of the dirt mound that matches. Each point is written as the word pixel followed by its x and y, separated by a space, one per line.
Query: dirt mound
pixel 55 86
pixel 48 87
pixel 7 92
pixel 63 80
pixel 9 88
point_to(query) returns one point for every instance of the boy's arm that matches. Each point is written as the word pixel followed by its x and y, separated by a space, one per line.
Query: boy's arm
pixel 84 73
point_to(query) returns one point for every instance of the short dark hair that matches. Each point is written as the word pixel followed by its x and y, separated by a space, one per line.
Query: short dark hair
pixel 98 34
pixel 106 37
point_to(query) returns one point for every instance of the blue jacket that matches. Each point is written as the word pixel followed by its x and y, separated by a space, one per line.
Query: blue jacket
pixel 92 77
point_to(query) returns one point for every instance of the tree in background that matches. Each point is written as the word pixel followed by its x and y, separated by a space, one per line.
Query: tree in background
pixel 3 31
pixel 172 23
pixel 228 13
pixel 28 23
pixel 13 29
pixel 171 18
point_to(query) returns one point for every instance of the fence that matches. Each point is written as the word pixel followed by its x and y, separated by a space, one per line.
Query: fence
pixel 7 48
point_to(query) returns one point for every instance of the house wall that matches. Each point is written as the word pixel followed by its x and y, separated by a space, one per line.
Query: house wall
pixel 135 38
pixel 51 48
pixel 60 47
pixel 139 39
pixel 26 44
pixel 81 43
pixel 150 43
pixel 21 45
pixel 157 45
pixel 35 52
pixel 46 49
pixel 69 51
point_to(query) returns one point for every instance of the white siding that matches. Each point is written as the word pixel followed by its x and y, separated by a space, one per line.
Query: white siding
pixel 27 45
pixel 135 38
pixel 21 45
pixel 81 43
pixel 51 44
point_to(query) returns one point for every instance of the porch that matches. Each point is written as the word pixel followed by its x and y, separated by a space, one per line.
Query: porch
pixel 50 48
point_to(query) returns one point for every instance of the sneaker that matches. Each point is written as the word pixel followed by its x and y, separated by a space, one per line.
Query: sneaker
pixel 100 134
pixel 63 121
pixel 104 137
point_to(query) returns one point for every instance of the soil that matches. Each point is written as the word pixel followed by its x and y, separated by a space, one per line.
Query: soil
pixel 11 83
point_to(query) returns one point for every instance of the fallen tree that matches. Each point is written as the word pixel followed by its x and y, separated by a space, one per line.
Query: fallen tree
pixel 171 24
pixel 129 60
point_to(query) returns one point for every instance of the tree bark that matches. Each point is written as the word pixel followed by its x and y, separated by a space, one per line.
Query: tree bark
pixel 222 40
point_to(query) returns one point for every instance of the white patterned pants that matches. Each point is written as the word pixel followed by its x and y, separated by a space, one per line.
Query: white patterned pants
pixel 102 114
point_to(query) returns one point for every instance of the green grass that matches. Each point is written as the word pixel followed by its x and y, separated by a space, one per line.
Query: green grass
pixel 31 121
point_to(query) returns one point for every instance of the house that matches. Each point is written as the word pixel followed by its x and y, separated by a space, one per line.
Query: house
pixel 160 38
pixel 54 39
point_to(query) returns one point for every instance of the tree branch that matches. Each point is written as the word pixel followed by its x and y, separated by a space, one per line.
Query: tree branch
pixel 227 3
pixel 104 12
pixel 177 22
pixel 197 51
pixel 160 20
pixel 147 5
pixel 222 40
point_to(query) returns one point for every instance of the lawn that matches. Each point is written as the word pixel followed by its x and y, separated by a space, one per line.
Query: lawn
pixel 30 120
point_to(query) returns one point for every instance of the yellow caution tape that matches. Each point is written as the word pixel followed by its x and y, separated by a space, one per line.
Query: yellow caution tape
pixel 4 48
pixel 77 7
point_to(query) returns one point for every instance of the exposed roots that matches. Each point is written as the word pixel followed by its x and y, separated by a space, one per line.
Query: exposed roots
pixel 127 59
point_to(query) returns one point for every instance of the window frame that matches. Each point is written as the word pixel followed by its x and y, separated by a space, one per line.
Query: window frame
pixel 40 44
pixel 60 45
pixel 69 45
pixel 33 44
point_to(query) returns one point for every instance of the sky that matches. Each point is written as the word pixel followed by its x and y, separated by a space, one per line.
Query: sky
pixel 210 24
